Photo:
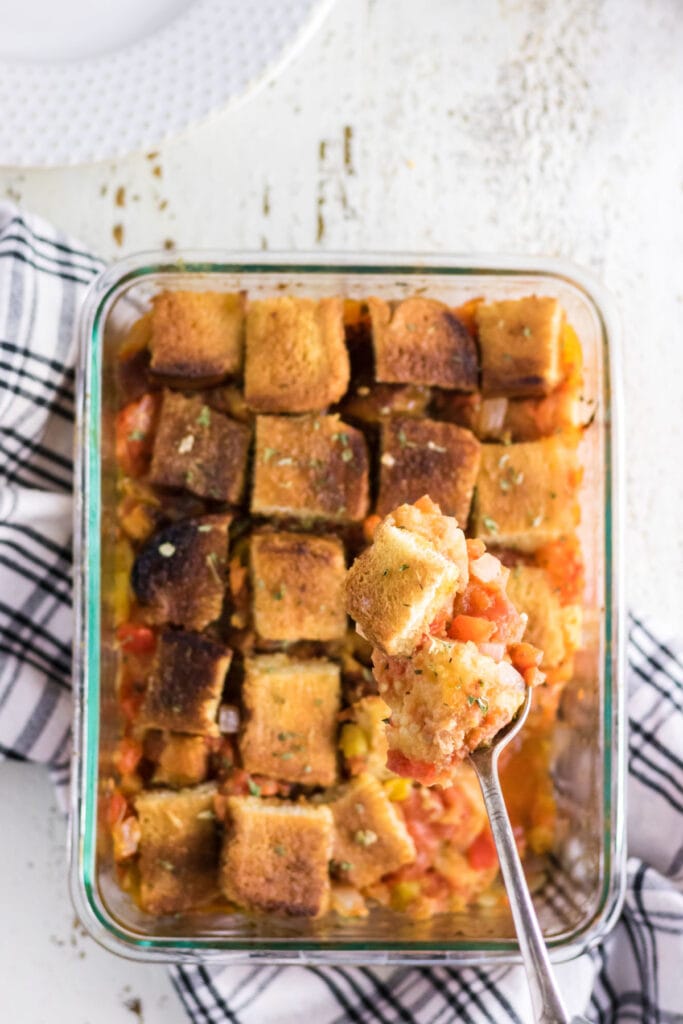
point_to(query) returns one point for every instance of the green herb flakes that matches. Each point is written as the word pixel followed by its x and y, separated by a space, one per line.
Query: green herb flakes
pixel 489 524
pixel 365 837
pixel 279 850
pixel 204 418
pixel 253 788
pixel 137 435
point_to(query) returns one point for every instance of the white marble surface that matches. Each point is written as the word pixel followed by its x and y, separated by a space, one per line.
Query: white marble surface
pixel 450 125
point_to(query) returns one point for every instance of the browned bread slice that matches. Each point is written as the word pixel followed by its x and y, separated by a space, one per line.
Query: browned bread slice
pixel 196 337
pixel 399 585
pixel 527 493
pixel 551 627
pixel 178 575
pixel 199 449
pixel 421 341
pixel 520 343
pixel 370 836
pixel 310 467
pixel 296 358
pixel 275 856
pixel 297 582
pixel 291 719
pixel 179 849
pixel 182 761
pixel 428 457
pixel 186 685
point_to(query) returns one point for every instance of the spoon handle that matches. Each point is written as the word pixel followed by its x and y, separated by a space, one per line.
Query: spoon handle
pixel 545 997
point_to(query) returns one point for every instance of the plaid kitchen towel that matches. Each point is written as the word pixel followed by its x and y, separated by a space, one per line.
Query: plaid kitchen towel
pixel 635 976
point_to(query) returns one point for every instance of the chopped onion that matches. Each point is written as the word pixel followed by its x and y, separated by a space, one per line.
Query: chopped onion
pixel 492 416
pixel 229 718
pixel 495 651
pixel 486 568
pixel 509 676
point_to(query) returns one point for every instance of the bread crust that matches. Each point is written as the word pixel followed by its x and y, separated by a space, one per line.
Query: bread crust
pixel 310 467
pixel 196 336
pixel 296 358
pixel 428 457
pixel 422 341
pixel 199 449
pixel 297 582
pixel 275 856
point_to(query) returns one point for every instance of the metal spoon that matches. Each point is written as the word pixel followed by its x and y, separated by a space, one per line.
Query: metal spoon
pixel 545 996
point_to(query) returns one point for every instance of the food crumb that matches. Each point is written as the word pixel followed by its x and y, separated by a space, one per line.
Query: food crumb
pixel 156 170
pixel 163 203
pixel 134 1006
pixel 153 155
pixel 117 232
pixel 120 197
pixel 169 243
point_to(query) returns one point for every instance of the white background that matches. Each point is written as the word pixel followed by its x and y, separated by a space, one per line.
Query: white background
pixel 447 125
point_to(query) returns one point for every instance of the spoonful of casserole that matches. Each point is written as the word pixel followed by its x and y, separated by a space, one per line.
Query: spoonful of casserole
pixel 448 654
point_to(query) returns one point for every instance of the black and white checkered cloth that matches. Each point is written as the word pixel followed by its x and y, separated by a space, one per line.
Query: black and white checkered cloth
pixel 635 976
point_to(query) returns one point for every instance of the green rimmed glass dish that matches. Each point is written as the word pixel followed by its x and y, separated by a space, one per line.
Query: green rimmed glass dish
pixel 581 886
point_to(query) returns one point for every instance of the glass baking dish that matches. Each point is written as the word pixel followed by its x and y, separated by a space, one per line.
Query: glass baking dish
pixel 580 894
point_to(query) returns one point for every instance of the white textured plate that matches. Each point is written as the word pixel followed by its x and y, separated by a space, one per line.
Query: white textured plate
pixel 84 80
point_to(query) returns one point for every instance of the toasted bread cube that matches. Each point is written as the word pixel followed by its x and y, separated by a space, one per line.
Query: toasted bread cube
pixel 179 849
pixel 370 836
pixel 183 761
pixel 446 700
pixel 185 689
pixel 403 581
pixel 178 575
pixel 310 467
pixel 275 856
pixel 196 337
pixel 527 493
pixel 199 449
pixel 551 627
pixel 520 342
pixel 291 725
pixel 422 341
pixel 427 457
pixel 297 582
pixel 296 358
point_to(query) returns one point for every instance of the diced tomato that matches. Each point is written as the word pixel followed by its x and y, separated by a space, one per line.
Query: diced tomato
pixel 409 769
pixel 128 755
pixel 470 627
pixel 136 638
pixel 134 434
pixel 475 548
pixel 370 524
pixel 117 806
pixel 524 656
pixel 481 854
pixel 563 561
pixel 533 676
pixel 489 601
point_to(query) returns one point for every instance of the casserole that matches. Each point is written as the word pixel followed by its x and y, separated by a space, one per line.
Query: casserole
pixel 579 886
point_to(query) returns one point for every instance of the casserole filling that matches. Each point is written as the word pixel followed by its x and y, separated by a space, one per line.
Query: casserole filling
pixel 255 769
